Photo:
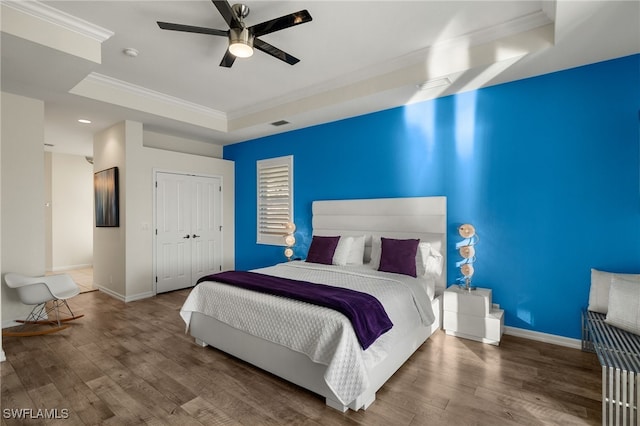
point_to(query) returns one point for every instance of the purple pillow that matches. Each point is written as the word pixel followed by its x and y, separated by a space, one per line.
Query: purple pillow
pixel 322 249
pixel 399 256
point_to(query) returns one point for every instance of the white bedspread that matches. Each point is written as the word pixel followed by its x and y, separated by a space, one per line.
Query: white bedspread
pixel 324 335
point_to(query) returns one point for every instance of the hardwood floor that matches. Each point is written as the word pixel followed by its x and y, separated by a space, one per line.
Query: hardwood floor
pixel 130 364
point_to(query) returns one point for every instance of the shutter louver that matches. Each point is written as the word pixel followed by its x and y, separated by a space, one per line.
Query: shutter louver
pixel 275 199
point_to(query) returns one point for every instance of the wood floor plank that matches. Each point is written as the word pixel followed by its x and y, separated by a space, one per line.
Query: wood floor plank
pixel 14 395
pixel 125 408
pixel 207 413
pixel 52 405
pixel 82 401
pixel 133 364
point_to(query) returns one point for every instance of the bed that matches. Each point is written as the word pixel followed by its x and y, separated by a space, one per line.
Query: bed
pixel 332 365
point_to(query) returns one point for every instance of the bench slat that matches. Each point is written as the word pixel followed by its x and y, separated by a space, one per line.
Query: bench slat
pixel 618 352
pixel 616 348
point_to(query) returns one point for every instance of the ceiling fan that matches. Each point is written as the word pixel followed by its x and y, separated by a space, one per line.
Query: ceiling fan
pixel 243 39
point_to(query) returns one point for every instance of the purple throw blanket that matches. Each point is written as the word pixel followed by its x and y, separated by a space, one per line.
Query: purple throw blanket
pixel 366 313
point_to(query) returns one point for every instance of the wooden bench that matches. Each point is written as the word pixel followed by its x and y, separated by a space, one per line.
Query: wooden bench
pixel 619 355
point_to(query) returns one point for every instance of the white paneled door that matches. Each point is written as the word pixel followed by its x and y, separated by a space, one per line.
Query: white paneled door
pixel 188 229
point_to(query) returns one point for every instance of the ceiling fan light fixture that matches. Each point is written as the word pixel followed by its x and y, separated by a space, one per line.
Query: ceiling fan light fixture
pixel 240 42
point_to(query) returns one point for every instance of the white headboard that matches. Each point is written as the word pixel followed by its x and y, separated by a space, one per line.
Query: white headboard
pixel 417 217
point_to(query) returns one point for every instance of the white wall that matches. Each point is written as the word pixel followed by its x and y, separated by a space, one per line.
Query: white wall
pixel 23 197
pixel 71 211
pixel 123 256
pixel 177 144
pixel 134 238
pixel 2 355
pixel 109 243
pixel 48 226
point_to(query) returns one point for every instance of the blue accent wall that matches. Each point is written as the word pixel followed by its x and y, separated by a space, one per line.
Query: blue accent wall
pixel 546 169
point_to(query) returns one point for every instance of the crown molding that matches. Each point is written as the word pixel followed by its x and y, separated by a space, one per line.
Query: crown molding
pixel 485 35
pixel 139 91
pixel 54 16
pixel 505 29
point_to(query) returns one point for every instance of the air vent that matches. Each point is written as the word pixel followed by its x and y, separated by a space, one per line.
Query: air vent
pixel 279 123
pixel 49 144
pixel 432 84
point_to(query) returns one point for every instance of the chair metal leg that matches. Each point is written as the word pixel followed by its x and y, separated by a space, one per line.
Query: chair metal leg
pixel 41 315
pixel 55 308
pixel 38 313
pixel 68 308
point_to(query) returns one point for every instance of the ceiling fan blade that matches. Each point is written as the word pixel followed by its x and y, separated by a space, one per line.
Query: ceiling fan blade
pixel 227 60
pixel 192 29
pixel 281 23
pixel 275 52
pixel 227 13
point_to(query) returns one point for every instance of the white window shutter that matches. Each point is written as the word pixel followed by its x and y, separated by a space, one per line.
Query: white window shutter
pixel 275 198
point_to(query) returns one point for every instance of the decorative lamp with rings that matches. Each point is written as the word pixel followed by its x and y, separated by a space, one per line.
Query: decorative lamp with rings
pixel 289 239
pixel 468 253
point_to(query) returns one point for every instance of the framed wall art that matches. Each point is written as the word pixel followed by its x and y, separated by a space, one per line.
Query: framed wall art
pixel 105 184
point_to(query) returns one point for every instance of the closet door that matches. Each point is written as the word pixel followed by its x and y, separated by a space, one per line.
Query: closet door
pixel 206 227
pixel 188 229
pixel 173 231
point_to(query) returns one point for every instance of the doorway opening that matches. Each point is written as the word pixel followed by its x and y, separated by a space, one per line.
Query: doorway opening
pixel 82 276
pixel 69 217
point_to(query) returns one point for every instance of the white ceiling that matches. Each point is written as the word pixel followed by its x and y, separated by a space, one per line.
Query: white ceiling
pixel 355 57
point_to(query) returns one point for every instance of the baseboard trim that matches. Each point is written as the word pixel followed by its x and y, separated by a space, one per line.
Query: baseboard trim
pixel 139 296
pixel 126 299
pixel 544 337
pixel 70 267
pixel 9 323
pixel 111 293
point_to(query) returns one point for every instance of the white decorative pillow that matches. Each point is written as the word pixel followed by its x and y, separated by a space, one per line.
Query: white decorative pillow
pixel 600 285
pixel 428 260
pixel 429 284
pixel 343 248
pixel 356 254
pixel 376 252
pixel 624 305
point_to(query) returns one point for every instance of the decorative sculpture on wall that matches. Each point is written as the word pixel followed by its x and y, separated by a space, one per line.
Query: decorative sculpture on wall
pixel 289 240
pixel 468 254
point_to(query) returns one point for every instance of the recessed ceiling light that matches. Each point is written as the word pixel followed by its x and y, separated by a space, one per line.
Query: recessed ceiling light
pixel 84 121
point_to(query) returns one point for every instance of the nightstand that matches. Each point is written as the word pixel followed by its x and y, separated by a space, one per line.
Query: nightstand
pixel 472 315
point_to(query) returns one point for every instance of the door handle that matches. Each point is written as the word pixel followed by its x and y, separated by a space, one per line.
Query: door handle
pixel 195 236
pixel 186 236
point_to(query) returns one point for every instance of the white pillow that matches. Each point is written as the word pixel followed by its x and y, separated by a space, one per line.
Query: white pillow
pixel 376 252
pixel 429 284
pixel 428 260
pixel 343 248
pixel 624 305
pixel 356 254
pixel 600 285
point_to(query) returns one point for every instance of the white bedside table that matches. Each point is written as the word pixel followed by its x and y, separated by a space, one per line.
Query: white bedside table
pixel 472 315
